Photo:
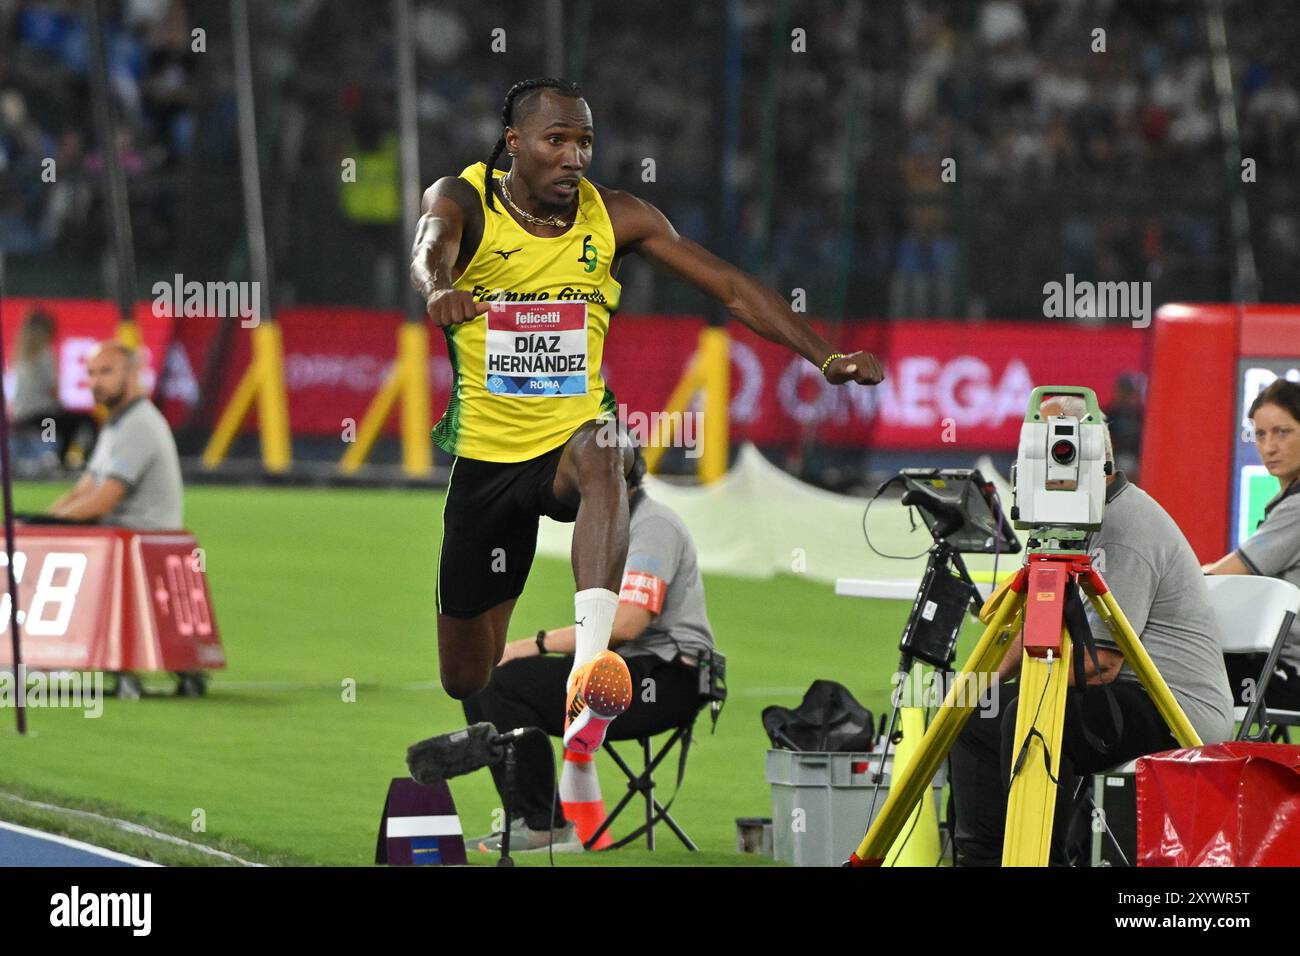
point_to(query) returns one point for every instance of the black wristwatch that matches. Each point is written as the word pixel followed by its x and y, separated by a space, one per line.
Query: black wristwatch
pixel 541 641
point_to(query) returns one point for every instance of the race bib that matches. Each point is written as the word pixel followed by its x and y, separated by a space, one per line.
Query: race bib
pixel 537 349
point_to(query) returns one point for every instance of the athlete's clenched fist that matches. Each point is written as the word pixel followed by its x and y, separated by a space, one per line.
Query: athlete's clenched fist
pixel 861 367
pixel 451 306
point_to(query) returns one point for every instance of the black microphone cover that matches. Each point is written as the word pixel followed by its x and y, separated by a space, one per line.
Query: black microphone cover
pixel 450 755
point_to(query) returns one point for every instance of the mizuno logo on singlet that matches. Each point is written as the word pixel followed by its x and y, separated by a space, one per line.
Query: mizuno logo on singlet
pixel 506 255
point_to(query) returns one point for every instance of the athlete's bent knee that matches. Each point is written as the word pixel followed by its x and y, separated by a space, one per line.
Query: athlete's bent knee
pixel 598 460
pixel 460 686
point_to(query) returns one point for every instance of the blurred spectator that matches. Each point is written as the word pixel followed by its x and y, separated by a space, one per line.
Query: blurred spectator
pixel 1125 420
pixel 36 412
pixel 1068 159
pixel 36 388
pixel 371 197
pixel 50 154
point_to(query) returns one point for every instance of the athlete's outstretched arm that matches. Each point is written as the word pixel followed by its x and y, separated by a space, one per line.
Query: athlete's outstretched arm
pixel 437 247
pixel 643 229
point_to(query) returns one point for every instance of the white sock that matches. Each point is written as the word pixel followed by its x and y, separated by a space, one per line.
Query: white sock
pixel 593 612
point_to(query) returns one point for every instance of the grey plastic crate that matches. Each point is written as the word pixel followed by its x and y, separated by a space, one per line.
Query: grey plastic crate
pixel 834 799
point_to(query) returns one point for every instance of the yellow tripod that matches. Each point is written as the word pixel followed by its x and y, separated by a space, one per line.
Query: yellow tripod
pixel 1035 600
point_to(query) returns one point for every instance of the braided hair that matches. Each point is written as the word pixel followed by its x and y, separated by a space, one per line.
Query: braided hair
pixel 520 97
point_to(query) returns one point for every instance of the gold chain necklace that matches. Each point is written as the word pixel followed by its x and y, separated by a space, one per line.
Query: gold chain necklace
pixel 555 221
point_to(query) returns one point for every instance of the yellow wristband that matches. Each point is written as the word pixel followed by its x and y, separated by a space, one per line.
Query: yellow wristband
pixel 831 358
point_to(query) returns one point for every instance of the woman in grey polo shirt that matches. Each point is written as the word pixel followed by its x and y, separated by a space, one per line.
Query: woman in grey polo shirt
pixel 1274 549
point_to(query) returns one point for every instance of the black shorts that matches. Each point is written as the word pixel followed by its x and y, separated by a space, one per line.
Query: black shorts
pixel 489 530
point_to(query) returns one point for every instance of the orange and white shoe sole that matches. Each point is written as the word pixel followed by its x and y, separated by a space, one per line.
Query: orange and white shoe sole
pixel 602 691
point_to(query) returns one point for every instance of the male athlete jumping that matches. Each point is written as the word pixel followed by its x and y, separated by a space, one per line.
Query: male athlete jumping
pixel 527 446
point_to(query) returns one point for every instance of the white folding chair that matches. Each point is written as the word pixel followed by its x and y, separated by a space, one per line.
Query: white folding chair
pixel 1254 614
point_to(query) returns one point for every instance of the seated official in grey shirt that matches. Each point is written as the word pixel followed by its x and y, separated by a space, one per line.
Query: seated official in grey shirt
pixel 662 580
pixel 1150 568
pixel 133 478
pixel 1274 549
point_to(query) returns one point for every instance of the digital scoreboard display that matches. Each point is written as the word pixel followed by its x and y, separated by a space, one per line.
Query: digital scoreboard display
pixel 1252 486
pixel 110 599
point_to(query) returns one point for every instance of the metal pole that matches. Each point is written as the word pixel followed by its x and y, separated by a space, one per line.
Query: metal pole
pixel 1245 278
pixel 16 644
pixel 249 168
pixel 767 139
pixel 577 40
pixel 732 66
pixel 409 136
pixel 858 91
pixel 410 375
pixel 106 127
pixel 554 15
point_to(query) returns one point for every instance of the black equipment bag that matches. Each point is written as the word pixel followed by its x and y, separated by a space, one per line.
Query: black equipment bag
pixel 828 720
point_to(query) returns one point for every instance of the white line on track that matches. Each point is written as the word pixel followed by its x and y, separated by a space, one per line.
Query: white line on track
pixel 129 827
pixel 76 844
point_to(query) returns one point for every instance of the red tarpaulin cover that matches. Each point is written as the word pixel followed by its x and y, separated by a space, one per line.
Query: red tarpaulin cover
pixel 1229 804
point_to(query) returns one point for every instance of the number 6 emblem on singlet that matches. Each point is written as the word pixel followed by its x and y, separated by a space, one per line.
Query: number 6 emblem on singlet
pixel 589 255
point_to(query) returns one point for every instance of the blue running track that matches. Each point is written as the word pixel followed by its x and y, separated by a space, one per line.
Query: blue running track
pixel 23 846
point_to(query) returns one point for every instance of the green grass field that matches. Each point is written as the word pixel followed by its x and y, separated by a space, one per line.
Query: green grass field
pixel 313 588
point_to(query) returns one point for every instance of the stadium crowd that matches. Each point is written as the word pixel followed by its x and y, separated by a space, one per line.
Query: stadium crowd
pixel 45 58
pixel 1069 159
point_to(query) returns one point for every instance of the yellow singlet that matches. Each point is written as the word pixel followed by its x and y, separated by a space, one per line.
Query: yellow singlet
pixel 517 410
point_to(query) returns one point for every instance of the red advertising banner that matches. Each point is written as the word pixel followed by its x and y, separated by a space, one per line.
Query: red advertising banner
pixel 945 381
pixel 78 325
pixel 335 360
pixel 960 383
pixel 974 378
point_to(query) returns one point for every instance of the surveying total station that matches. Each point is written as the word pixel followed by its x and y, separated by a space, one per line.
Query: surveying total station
pixel 1059 488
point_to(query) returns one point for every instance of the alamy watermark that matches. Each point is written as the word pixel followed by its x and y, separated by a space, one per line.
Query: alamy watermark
pixel 223 300
pixel 975 690
pixel 654 430
pixel 53 689
pixel 1098 300
pixel 77 909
